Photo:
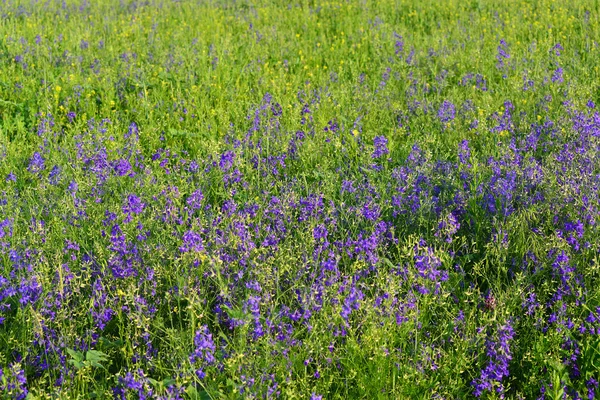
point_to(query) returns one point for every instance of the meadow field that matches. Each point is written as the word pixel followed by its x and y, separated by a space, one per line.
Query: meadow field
pixel 304 199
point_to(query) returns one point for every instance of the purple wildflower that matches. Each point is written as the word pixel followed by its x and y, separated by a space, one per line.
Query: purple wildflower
pixel 36 163
pixel 13 382
pixel 446 112
pixel 499 355
pixel 557 75
pixel 380 143
pixel 123 167
pixel 54 175
pixel 194 201
pixel 133 205
pixel 226 161
pixel 464 152
pixel 204 351
pixel 192 241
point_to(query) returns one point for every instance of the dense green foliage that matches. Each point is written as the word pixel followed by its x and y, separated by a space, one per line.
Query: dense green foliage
pixel 314 199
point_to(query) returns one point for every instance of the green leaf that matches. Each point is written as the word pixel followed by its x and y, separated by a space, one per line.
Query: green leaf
pixel 168 382
pixel 76 358
pixel 192 392
pixel 95 357
pixel 76 355
pixel 109 344
pixel 388 262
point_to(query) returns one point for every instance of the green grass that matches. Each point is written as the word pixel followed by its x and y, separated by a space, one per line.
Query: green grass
pixel 392 304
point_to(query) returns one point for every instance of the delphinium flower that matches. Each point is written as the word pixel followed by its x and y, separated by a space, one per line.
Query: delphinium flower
pixel 54 175
pixel 30 290
pixel 72 188
pixel 447 227
pixel 169 213
pixel 204 351
pixel 416 157
pixel 557 75
pixel 125 255
pixel 136 383
pixel 530 304
pixel 564 272
pixel 467 79
pixel 556 49
pixel 45 125
pixel 505 122
pixel 427 266
pixel 100 310
pixel 371 211
pixel 404 306
pixel 459 322
pixel 499 237
pixel 229 207
pixel 528 84
pixel 573 355
pixel 272 386
pixel 13 382
pixel 446 112
pixel 145 352
pixel 194 201
pixel 464 153
pixel 36 163
pixel 11 177
pixel 247 383
pixel 311 206
pixel 122 167
pixel 499 355
pixel 253 307
pixel 365 247
pixel 591 385
pixel 133 205
pixel 592 322
pixel 294 144
pixel 412 189
pixel 481 82
pixel 348 186
pixel 6 228
pixel 351 302
pixel 399 45
pixel 502 56
pixel 329 273
pixel 380 144
pixel 226 161
pixel 499 195
pixel 6 291
pixel 234 176
pixel 384 78
pixel 572 233
pixel 332 126
pixel 192 241
pixel 410 60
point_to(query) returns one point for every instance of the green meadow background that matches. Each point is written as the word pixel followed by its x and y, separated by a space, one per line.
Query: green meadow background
pixel 192 80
